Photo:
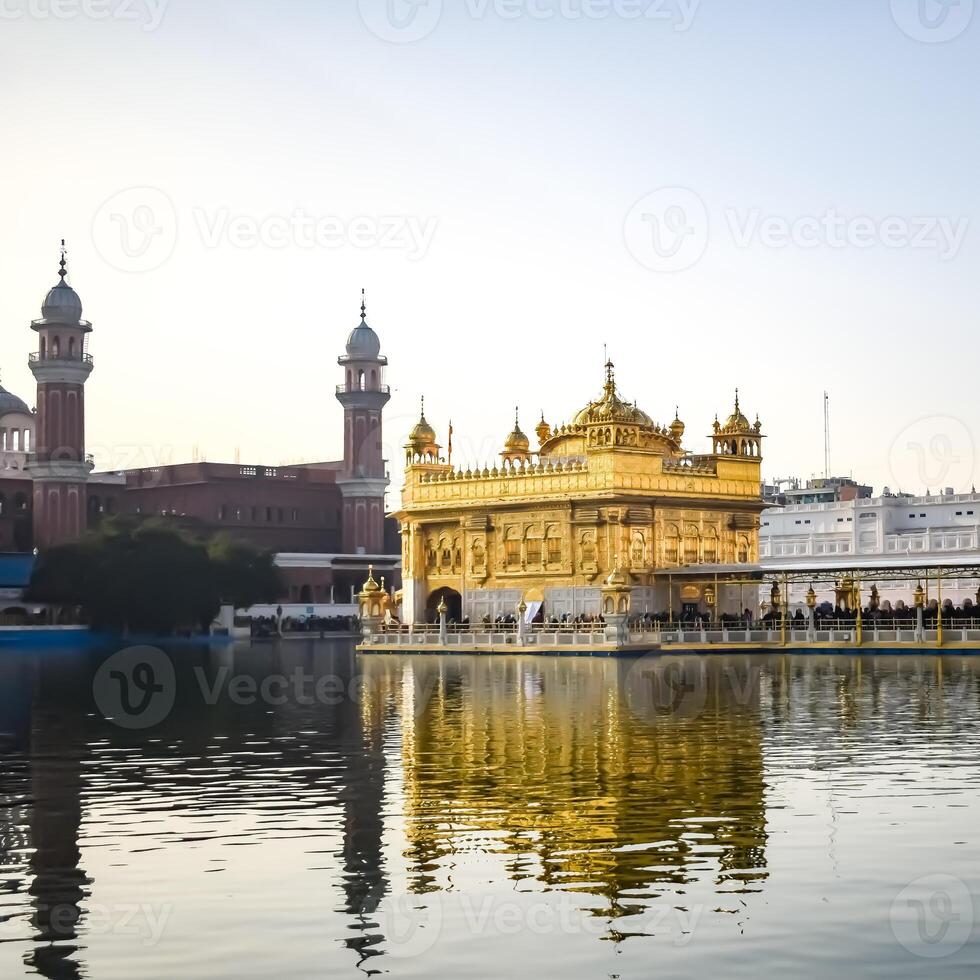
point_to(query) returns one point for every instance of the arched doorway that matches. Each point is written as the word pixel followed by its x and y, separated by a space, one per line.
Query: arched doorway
pixel 535 605
pixel 454 602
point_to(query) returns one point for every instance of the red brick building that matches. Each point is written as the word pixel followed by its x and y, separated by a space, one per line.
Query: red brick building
pixel 326 520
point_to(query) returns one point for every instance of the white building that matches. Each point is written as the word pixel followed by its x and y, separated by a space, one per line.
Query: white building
pixel 877 533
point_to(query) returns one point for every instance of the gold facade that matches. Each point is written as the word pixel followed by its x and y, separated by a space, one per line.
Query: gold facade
pixel 609 486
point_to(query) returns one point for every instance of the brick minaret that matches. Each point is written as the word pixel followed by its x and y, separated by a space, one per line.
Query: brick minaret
pixel 61 367
pixel 364 480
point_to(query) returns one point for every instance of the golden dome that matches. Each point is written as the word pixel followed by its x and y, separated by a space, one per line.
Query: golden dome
pixel 543 430
pixel 677 427
pixel 737 423
pixel 423 435
pixel 370 585
pixel 611 408
pixel 517 442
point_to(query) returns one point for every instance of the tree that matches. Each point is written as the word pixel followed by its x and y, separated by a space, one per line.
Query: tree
pixel 245 576
pixel 146 576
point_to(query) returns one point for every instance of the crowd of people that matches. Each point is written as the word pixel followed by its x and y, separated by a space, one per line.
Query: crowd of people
pixel 266 626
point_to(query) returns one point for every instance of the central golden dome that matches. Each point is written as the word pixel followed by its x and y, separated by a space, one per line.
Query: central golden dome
pixel 611 408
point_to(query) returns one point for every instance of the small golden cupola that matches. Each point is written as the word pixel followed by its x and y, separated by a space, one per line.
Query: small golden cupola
pixel 543 431
pixel 677 427
pixel 738 436
pixel 517 447
pixel 421 446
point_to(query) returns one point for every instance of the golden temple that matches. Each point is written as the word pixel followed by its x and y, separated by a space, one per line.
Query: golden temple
pixel 609 490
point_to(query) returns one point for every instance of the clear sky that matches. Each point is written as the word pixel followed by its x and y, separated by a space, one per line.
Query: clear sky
pixel 775 195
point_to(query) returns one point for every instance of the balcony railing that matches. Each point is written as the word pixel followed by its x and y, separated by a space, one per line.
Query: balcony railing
pixel 351 389
pixel 62 358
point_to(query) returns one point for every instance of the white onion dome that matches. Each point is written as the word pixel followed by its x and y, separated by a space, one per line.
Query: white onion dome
pixel 62 304
pixel 10 404
pixel 363 342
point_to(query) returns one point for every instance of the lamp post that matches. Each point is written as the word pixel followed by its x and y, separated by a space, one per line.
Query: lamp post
pixel 777 606
pixel 811 613
pixel 442 609
pixel 920 602
pixel 710 600
pixel 521 624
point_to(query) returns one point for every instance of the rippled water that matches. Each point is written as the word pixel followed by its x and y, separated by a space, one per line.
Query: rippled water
pixel 296 811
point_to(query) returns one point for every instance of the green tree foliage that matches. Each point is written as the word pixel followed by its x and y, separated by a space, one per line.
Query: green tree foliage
pixel 148 577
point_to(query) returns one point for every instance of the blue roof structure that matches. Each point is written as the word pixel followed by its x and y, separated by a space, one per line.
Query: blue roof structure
pixel 15 571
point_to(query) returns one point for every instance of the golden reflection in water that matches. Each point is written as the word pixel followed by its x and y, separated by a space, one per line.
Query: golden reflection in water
pixel 616 778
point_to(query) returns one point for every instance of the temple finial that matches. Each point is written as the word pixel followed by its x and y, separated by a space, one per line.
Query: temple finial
pixel 737 407
pixel 64 262
pixel 423 408
pixel 363 305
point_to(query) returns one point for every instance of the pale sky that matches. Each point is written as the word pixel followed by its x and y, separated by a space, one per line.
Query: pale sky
pixel 771 195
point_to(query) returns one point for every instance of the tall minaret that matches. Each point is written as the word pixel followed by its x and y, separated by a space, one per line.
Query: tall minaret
pixel 61 367
pixel 364 480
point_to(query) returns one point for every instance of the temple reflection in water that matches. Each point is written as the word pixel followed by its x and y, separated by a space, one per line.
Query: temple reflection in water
pixel 597 779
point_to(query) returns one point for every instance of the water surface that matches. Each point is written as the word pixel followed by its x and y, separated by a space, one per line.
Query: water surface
pixel 296 811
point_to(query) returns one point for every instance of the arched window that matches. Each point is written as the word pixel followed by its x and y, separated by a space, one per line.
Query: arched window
pixel 27 440
pixel 360 380
pixel 711 547
pixel 638 550
pixel 20 503
pixel 16 446
pixel 533 550
pixel 71 348
pixel 56 348
pixel 512 548
pixel 223 512
pixel 554 545
pixel 44 349
pixel 671 540
pixel 743 550
pixel 691 546
pixel 588 548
